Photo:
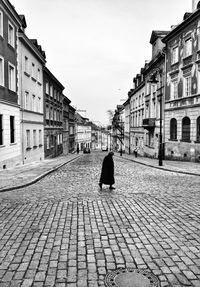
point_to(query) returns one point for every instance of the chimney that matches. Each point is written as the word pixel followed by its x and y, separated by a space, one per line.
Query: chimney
pixel 194 4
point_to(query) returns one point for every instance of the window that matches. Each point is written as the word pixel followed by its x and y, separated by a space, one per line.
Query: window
pixel 34 138
pixel 173 129
pixel 39 105
pixel 11 34
pixel 12 129
pixel 51 90
pixel 33 103
pixel 40 137
pixel 198 129
pixel 11 77
pixel 26 100
pixel 1 129
pixel 60 138
pixel 188 47
pixel 28 139
pixel 187 86
pixel 1 23
pixel 186 129
pixel 174 55
pixel 174 89
pixel 51 114
pixel 33 71
pixel 47 88
pixel 26 65
pixel 47 112
pixel 39 75
pixel 1 71
pixel 48 142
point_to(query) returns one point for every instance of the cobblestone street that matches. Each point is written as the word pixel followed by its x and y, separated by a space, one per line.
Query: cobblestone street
pixel 64 231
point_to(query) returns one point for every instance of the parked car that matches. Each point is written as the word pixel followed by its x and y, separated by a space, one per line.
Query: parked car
pixel 104 148
pixel 86 150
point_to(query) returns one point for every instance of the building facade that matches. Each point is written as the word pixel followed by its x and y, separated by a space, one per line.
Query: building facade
pixel 66 103
pixel 10 142
pixel 127 126
pixel 182 99
pixel 72 144
pixel 53 115
pixel 31 59
pixel 137 97
pixel 83 131
pixel 154 74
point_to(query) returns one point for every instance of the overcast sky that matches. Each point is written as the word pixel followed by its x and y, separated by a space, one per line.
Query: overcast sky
pixel 96 47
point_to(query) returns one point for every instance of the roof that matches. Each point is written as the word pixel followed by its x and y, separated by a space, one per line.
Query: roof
pixel 157 34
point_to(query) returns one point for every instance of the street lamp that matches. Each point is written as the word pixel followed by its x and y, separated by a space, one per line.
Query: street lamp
pixel 155 81
pixel 160 162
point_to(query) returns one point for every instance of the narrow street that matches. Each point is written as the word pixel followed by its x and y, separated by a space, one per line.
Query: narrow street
pixel 64 231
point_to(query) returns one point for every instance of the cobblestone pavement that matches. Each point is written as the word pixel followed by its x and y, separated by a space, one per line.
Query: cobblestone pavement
pixel 64 231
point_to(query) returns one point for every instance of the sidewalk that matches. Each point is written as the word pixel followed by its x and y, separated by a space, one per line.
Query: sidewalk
pixel 191 168
pixel 24 175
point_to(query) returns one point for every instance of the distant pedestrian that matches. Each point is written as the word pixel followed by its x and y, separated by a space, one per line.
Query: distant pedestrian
pixel 107 171
pixel 77 149
pixel 136 152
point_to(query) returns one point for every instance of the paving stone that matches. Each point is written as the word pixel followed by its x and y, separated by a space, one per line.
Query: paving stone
pixel 78 234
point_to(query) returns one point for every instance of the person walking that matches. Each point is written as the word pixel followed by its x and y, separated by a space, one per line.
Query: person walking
pixel 107 171
pixel 77 149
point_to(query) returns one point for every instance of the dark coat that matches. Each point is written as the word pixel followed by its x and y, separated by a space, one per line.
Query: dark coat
pixel 107 171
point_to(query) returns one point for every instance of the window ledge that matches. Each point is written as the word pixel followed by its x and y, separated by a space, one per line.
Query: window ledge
pixel 197 142
pixel 35 146
pixel 27 74
pixel 13 144
pixel 28 148
pixel 40 145
pixel 1 146
pixel 187 141
pixel 33 79
pixel 173 140
pixel 174 64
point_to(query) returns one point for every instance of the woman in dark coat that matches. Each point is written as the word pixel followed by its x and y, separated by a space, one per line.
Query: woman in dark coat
pixel 107 171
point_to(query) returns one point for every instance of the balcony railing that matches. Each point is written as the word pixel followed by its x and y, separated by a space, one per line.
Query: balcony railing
pixel 149 123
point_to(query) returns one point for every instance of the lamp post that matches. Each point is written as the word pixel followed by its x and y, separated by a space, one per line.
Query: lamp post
pixel 160 162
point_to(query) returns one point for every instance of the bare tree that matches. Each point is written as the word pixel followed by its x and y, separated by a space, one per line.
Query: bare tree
pixel 110 115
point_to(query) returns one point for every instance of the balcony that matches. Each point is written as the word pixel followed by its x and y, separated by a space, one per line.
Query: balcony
pixel 149 123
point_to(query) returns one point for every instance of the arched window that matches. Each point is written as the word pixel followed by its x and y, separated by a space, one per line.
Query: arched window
pixel 186 129
pixel 198 5
pixel 198 129
pixel 173 129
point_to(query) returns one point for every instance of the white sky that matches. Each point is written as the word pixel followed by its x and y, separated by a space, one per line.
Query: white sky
pixel 96 47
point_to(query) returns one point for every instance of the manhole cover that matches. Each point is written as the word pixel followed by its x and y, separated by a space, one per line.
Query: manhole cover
pixel 131 278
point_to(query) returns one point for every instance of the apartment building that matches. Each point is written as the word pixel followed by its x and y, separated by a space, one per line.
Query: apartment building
pixel 10 143
pixel 53 114
pixel 182 97
pixel 154 74
pixel 31 59
pixel 136 98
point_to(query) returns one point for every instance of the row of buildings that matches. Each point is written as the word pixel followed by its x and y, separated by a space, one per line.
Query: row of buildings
pixel 161 116
pixel 37 119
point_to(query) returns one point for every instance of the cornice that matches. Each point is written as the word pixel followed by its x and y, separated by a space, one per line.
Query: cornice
pixel 181 26
pixel 11 9
pixel 30 45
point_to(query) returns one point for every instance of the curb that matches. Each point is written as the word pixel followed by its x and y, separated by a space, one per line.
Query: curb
pixel 162 168
pixel 39 177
